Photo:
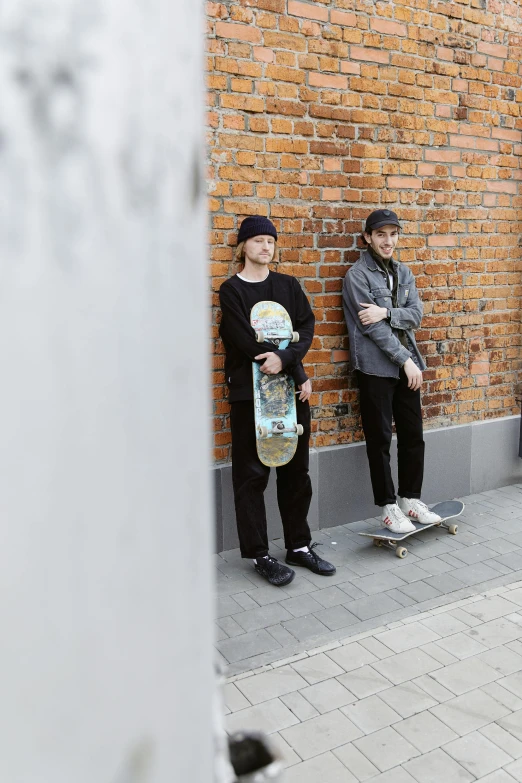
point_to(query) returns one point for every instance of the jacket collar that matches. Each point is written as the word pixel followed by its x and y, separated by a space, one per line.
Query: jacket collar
pixel 372 265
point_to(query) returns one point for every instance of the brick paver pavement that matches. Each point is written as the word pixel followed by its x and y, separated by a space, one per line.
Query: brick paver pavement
pixel 434 696
pixel 258 624
pixel 426 692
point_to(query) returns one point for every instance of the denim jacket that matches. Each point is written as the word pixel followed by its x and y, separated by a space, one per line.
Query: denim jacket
pixel 375 349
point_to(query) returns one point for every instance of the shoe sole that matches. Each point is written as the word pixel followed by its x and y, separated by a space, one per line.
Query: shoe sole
pixel 287 582
pixel 400 532
pixel 278 584
pixel 422 523
pixel 319 573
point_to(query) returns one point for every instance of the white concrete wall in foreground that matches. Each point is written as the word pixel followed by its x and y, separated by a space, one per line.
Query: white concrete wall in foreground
pixel 105 593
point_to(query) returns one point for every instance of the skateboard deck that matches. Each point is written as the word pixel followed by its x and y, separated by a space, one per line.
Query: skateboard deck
pixel 274 395
pixel 448 509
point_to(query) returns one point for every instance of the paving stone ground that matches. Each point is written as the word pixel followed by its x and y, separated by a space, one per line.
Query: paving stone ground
pixel 258 624
pixel 434 696
pixel 422 690
pixel 357 710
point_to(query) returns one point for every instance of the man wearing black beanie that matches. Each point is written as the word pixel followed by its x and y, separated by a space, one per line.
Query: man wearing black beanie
pixel 257 248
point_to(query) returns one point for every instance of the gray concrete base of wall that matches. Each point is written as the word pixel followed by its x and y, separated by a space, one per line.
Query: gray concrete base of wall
pixel 460 461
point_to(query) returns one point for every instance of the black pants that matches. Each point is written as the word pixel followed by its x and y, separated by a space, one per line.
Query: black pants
pixel 381 400
pixel 250 477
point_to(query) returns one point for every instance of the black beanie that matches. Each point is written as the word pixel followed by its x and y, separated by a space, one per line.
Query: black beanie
pixel 256 226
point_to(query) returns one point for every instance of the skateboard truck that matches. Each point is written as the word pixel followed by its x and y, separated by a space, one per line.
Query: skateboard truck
pixel 278 428
pixel 276 337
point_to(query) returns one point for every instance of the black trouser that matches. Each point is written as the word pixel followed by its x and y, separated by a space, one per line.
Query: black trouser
pixel 381 400
pixel 250 477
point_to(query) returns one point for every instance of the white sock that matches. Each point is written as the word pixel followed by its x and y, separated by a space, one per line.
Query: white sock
pixel 301 549
pixel 265 557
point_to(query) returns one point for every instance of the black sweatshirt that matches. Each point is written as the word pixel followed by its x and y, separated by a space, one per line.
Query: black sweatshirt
pixel 237 298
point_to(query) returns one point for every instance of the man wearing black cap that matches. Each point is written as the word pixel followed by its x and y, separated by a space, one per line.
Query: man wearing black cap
pixel 382 308
pixel 256 249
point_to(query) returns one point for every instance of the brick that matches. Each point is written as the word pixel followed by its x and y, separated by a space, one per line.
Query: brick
pixel 504 133
pixel 216 10
pixel 242 102
pixel 292 108
pixel 367 86
pixel 264 54
pixel 347 67
pixel 387 27
pixel 442 241
pixel 331 194
pixel 296 146
pixel 343 18
pixel 328 81
pixel 239 32
pixel 497 50
pixel 474 143
pixel 503 186
pixel 443 53
pixel 307 10
pixel 280 73
pixel 424 169
pixel 281 41
pixel 494 64
pixel 371 55
pixel 449 156
pixel 404 182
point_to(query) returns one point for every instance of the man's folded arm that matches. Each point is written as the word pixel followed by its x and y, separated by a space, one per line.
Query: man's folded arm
pixel 356 291
pixel 235 328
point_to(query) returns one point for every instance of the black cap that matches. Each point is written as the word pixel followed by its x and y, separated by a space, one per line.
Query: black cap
pixel 256 226
pixel 381 217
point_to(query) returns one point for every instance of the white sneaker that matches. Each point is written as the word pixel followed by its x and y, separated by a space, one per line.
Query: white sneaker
pixel 395 520
pixel 419 511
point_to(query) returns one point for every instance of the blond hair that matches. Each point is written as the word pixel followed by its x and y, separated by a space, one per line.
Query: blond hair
pixel 239 256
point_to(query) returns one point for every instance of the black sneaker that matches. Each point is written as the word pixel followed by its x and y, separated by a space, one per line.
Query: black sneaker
pixel 310 560
pixel 273 571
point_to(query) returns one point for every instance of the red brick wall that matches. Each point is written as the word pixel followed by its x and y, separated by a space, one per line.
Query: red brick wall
pixel 319 112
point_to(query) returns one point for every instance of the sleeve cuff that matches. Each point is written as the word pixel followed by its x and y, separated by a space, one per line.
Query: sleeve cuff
pixel 402 357
pixel 395 319
pixel 286 356
pixel 299 375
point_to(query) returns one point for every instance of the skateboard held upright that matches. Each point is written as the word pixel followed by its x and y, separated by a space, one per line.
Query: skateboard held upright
pixel 274 395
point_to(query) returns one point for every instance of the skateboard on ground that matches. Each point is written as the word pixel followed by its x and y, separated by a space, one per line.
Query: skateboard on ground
pixel 276 424
pixel 446 510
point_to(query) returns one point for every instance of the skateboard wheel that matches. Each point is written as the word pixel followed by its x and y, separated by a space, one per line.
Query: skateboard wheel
pixel 260 336
pixel 401 551
pixel 299 429
pixel 263 431
pixel 295 337
pixel 377 542
pixel 453 529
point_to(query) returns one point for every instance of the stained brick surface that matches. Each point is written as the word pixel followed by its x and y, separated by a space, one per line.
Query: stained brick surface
pixel 320 111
